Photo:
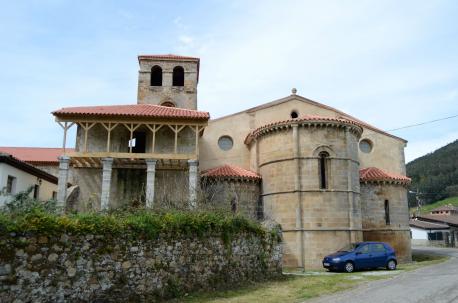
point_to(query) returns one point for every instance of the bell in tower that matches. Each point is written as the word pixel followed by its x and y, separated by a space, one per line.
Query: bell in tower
pixel 168 80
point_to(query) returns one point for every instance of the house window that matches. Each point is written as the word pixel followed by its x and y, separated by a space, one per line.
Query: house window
pixel 323 169
pixel 36 191
pixel 387 212
pixel 178 76
pixel 54 195
pixel 435 236
pixel 156 76
pixel 10 185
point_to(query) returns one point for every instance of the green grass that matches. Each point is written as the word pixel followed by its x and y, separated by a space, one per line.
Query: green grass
pixel 427 208
pixel 300 287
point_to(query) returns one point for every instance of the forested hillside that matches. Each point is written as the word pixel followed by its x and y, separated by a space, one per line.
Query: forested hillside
pixel 435 174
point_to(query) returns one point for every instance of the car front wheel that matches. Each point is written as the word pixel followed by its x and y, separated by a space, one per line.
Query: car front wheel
pixel 349 267
pixel 391 265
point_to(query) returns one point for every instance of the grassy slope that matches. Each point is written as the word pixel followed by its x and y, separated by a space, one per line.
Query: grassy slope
pixel 427 208
pixel 297 288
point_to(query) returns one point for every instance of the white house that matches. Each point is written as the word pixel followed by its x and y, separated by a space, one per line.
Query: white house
pixel 429 233
pixel 17 176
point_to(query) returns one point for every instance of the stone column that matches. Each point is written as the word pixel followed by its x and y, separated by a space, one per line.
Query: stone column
pixel 150 177
pixel 298 191
pixel 64 163
pixel 106 183
pixel 193 180
pixel 353 191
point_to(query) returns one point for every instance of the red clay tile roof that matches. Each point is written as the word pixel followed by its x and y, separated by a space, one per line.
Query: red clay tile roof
pixel 231 172
pixel 13 161
pixel 167 56
pixel 427 225
pixel 133 110
pixel 35 155
pixel 302 119
pixel 374 174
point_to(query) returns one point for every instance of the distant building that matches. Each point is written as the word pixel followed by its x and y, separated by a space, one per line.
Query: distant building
pixel 17 176
pixel 438 228
pixel 445 210
pixel 428 233
pixel 44 158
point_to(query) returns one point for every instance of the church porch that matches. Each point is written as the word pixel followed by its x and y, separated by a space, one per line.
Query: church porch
pixel 136 150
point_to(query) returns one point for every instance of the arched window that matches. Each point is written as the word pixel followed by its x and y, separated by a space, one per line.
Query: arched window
pixel 323 169
pixel 178 76
pixel 387 212
pixel 168 104
pixel 234 205
pixel 156 76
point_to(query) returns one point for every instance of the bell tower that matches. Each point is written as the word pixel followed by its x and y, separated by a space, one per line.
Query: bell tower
pixel 168 80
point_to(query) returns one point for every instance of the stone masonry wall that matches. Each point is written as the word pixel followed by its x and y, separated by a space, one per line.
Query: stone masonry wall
pixel 315 221
pixel 238 196
pixel 182 96
pixel 69 268
pixel 397 232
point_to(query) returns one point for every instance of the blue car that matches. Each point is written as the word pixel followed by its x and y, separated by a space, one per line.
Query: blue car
pixel 363 255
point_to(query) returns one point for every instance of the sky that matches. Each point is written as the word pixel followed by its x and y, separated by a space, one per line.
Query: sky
pixel 389 63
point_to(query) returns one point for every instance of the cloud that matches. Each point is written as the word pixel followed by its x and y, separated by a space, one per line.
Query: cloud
pixel 390 63
pixel 186 40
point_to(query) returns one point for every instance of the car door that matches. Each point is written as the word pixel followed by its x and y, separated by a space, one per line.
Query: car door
pixel 363 256
pixel 378 253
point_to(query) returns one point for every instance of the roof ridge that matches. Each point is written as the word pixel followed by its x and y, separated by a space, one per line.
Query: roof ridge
pixel 316 103
pixel 167 56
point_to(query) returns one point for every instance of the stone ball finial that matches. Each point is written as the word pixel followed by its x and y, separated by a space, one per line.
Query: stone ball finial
pixel 293 91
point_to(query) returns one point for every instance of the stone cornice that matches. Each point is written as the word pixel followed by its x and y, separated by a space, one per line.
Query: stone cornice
pixel 307 121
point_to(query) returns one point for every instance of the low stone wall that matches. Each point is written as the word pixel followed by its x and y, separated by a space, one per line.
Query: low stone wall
pixel 95 268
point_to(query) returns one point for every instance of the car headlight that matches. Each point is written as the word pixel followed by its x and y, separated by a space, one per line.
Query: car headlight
pixel 336 259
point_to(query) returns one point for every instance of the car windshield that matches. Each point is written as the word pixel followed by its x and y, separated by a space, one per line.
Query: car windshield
pixel 349 247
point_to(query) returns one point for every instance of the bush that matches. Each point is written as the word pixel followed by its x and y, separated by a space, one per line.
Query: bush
pixel 142 223
pixel 23 203
pixel 26 215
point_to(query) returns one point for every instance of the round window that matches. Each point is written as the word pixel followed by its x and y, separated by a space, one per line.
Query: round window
pixel 365 146
pixel 294 114
pixel 225 142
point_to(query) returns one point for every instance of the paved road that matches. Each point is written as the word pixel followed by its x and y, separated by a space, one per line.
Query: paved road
pixel 432 284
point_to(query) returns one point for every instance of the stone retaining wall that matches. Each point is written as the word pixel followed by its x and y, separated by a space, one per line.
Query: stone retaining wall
pixel 94 268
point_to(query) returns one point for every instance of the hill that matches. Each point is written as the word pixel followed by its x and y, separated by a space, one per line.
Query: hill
pixel 435 174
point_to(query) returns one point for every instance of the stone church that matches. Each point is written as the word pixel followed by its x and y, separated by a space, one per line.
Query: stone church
pixel 328 178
